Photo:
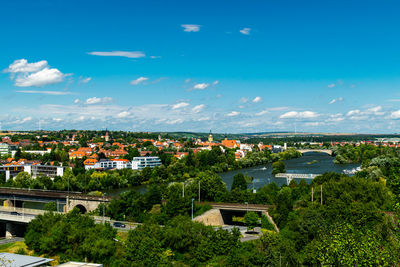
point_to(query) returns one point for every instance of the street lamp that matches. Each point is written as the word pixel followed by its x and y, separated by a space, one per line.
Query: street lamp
pixel 104 209
pixel 192 208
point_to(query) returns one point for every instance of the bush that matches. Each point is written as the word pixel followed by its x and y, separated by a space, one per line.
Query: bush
pixel 265 223
pixel 21 251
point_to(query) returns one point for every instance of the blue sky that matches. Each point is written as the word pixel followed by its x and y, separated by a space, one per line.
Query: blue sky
pixel 230 66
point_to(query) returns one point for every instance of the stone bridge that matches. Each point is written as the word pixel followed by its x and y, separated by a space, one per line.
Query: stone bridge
pixel 66 201
pixel 327 151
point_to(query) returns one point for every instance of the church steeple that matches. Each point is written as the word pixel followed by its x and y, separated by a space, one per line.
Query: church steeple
pixel 107 137
pixel 210 137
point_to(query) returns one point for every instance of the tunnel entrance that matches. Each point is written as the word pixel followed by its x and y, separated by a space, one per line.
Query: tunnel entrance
pixel 228 216
pixel 81 208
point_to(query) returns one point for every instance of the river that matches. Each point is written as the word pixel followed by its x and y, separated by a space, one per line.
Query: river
pixel 309 163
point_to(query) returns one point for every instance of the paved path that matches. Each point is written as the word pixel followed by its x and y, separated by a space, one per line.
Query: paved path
pixel 11 240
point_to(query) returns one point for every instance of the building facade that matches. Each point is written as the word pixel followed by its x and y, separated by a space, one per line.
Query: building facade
pixel 6 149
pixel 139 163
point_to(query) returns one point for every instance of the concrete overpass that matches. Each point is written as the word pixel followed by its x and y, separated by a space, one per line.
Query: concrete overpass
pixel 327 151
pixel 222 213
pixel 15 218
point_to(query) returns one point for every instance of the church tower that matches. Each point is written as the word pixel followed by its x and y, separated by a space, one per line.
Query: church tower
pixel 210 137
pixel 107 137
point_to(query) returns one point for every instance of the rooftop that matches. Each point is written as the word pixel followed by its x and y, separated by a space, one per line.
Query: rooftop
pixel 80 264
pixel 16 260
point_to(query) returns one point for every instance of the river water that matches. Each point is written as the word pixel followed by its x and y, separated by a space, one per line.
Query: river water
pixel 309 163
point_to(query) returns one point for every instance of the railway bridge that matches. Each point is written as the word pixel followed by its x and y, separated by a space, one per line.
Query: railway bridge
pixel 14 215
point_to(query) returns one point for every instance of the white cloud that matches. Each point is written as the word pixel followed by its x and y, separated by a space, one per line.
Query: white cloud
pixel 22 66
pixel 315 123
pixel 299 115
pixel 187 80
pixel 243 100
pixel 57 119
pixel 76 101
pixel 191 27
pixel 215 82
pixel 278 108
pixel 245 31
pixel 159 80
pixel 154 57
pixel 232 114
pixel 44 92
pixel 395 114
pixel 33 74
pixel 375 110
pixel 198 108
pixel 200 86
pixel 335 117
pixel 138 80
pixel 85 80
pixel 340 99
pixel 128 54
pixel 353 112
pixel 123 114
pixel 263 112
pixel 257 99
pixel 331 85
pixel 22 121
pixel 176 121
pixel 98 100
pixel 180 105
pixel 43 77
pixel 371 111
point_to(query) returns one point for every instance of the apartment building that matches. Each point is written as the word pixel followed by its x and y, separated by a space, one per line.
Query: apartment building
pixel 139 163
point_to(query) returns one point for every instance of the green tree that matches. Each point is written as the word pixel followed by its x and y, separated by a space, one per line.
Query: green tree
pixel 278 167
pixel 251 220
pixel 239 181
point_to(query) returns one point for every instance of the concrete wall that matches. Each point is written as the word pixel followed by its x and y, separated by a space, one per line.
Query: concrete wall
pixel 212 217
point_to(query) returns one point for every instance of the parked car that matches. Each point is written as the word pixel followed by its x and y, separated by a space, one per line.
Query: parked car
pixel 119 225
pixel 14 213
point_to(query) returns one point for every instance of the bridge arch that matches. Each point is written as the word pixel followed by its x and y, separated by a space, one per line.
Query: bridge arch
pixel 327 151
pixel 81 208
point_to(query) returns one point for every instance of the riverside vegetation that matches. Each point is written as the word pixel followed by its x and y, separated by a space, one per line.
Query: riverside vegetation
pixel 356 223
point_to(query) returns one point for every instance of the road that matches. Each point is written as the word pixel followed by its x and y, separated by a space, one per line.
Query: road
pixel 11 240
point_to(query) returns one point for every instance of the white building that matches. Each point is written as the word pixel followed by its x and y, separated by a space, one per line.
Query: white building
pixel 139 163
pixel 6 149
pixel 113 164
pixel 34 170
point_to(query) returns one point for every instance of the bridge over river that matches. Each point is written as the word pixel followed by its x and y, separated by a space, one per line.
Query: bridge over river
pixel 327 151
pixel 290 176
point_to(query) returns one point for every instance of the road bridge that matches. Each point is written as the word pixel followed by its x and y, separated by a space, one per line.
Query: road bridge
pixel 222 213
pixel 290 176
pixel 327 151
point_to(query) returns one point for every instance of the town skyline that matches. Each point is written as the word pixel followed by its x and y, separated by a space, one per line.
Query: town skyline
pixel 229 66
